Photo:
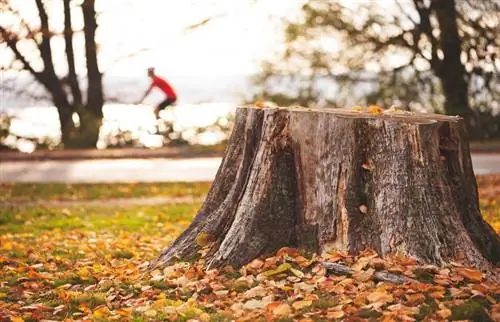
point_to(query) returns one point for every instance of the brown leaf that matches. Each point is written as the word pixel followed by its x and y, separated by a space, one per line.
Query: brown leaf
pixel 292 252
pixel 330 315
pixel 417 298
pixel 361 263
pixel 471 274
pixel 380 296
pixel 363 276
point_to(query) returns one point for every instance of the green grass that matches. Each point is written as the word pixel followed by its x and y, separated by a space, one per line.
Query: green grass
pixel 61 191
pixel 36 220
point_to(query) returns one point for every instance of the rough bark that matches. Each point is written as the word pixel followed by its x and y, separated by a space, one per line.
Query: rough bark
pixel 346 180
pixel 450 69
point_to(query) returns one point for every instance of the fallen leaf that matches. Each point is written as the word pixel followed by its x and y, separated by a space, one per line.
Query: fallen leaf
pixel 203 239
pixel 471 274
pixel 253 304
pixel 375 109
pixel 16 319
pixel 280 269
pixel 297 305
pixel 378 296
pixel 444 313
pixel 256 291
pixel 335 315
pixel 282 310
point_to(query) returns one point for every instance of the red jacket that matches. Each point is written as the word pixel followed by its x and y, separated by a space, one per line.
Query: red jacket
pixel 164 86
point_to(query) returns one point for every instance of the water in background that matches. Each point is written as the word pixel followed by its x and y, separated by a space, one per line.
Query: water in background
pixel 139 120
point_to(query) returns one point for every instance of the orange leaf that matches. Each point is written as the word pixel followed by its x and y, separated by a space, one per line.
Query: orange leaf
pixel 287 251
pixel 260 104
pixel 375 109
pixel 16 319
pixel 471 274
pixel 415 298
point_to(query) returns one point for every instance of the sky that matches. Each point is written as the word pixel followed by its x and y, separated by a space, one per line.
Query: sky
pixel 221 54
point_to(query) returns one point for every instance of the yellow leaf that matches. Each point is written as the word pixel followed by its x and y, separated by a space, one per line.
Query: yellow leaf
pixel 297 273
pixel 301 304
pixel 471 274
pixel 101 312
pixel 16 319
pixel 444 313
pixel 282 310
pixel 203 239
pixel 280 269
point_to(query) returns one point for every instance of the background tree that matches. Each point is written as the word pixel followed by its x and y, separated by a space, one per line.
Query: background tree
pixel 33 48
pixel 441 54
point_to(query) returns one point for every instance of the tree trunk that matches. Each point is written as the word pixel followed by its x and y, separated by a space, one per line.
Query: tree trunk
pixel 450 69
pixel 341 179
pixel 95 96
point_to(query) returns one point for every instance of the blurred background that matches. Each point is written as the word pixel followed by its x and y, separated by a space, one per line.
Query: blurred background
pixel 71 70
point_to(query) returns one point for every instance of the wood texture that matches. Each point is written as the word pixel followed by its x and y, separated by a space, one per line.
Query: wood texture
pixel 342 179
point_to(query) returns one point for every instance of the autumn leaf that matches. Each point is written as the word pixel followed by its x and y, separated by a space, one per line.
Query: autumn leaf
pixel 298 305
pixel 282 310
pixel 260 104
pixel 379 296
pixel 280 269
pixel 331 315
pixel 375 109
pixel 444 313
pixel 203 239
pixel 16 319
pixel 471 274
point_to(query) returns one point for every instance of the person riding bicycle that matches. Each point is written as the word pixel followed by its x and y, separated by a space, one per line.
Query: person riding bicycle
pixel 165 87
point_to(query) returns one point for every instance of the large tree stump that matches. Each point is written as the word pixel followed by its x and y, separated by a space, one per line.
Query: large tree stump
pixel 342 179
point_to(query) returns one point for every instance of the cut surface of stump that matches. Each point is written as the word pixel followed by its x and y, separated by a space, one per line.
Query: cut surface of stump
pixel 322 179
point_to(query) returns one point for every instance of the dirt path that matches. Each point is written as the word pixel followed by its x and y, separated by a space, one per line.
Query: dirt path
pixel 120 202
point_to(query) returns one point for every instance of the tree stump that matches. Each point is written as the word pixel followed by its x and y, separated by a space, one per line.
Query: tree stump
pixel 321 179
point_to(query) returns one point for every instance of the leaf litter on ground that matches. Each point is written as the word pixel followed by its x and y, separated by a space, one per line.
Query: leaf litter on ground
pixel 66 271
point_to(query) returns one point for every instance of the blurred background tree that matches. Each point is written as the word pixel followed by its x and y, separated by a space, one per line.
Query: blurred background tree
pixel 79 109
pixel 438 55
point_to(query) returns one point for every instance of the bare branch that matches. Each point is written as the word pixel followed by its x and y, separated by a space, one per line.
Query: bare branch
pixel 45 47
pixel 125 57
pixel 11 41
pixel 204 22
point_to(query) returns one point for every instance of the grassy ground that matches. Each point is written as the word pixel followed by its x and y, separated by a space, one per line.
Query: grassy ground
pixel 85 263
pixel 60 191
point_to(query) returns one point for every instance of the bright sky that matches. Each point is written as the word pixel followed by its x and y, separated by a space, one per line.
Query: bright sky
pixel 228 49
pixel 231 44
